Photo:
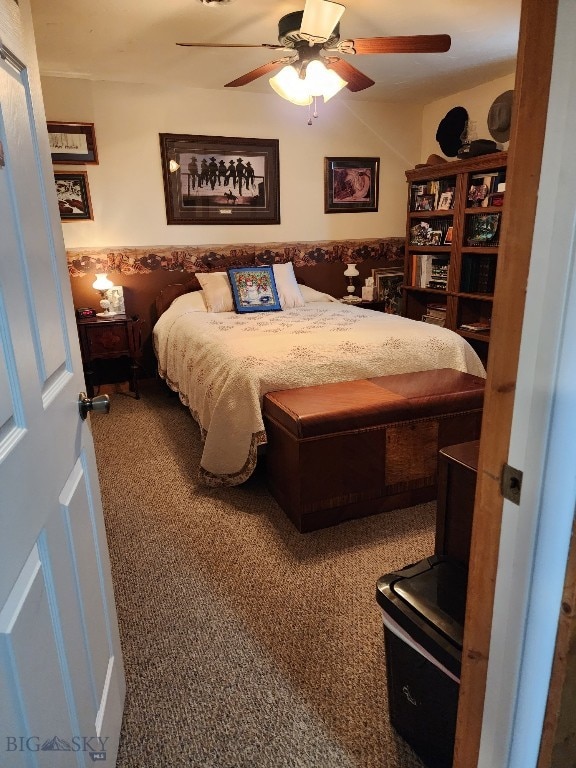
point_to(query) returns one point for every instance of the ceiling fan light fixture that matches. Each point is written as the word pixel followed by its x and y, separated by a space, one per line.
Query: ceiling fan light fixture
pixel 288 85
pixel 321 81
pixel 319 19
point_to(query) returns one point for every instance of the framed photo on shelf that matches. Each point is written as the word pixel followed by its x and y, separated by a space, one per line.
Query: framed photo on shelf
pixel 425 202
pixel 448 236
pixel 445 202
pixel 351 184
pixel 254 289
pixel 72 143
pixel 388 283
pixel 73 195
pixel 435 237
pixel 220 180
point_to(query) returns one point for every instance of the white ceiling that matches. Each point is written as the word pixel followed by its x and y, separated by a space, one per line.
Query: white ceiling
pixel 134 41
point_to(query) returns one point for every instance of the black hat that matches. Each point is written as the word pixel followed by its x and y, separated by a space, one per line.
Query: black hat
pixel 500 115
pixel 450 129
pixel 478 147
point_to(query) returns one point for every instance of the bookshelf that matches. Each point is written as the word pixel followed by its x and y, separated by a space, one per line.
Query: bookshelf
pixel 452 236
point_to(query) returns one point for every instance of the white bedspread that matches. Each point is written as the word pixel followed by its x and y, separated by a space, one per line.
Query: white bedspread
pixel 222 364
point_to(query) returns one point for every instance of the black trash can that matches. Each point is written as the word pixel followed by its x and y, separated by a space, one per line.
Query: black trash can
pixel 423 609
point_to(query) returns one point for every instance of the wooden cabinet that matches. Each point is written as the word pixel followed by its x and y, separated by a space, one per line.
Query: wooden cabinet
pixel 457 473
pixel 452 235
pixel 114 339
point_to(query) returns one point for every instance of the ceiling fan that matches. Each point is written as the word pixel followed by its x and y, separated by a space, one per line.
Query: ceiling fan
pixel 314 35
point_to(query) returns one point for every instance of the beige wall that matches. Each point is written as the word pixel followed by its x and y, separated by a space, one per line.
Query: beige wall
pixel 127 189
pixel 476 101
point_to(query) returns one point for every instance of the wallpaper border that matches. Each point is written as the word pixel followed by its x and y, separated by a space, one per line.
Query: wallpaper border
pixel 132 260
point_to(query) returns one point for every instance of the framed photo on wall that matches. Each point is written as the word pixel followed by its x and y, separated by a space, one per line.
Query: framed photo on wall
pixel 351 184
pixel 73 195
pixel 220 180
pixel 72 143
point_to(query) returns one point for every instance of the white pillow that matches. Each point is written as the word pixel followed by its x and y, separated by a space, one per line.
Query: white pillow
pixel 288 289
pixel 216 291
pixel 311 294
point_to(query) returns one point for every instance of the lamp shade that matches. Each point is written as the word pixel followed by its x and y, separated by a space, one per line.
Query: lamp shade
pixel 102 283
pixel 319 19
pixel 288 85
pixel 319 81
pixel 351 271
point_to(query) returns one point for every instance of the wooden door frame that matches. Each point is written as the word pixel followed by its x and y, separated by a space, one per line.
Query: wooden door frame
pixel 533 72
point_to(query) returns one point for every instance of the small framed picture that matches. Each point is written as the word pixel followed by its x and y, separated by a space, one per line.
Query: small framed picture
pixel 425 202
pixel 73 195
pixel 388 282
pixel 448 235
pixel 445 202
pixel 435 237
pixel 351 184
pixel 72 143
pixel 254 289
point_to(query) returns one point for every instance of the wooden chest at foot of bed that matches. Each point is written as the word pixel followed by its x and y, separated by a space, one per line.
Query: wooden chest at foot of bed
pixel 356 448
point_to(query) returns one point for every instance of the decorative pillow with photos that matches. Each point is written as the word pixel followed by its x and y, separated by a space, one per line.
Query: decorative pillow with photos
pixel 254 289
pixel 216 291
pixel 288 289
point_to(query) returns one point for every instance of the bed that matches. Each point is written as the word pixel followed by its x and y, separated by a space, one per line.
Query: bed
pixel 221 363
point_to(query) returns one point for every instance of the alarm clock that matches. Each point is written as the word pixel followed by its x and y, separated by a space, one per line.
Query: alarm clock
pixel 85 312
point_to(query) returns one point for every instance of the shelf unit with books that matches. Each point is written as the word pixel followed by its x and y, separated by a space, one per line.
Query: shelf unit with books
pixel 452 237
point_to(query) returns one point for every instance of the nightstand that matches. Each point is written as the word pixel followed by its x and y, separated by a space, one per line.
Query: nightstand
pixel 109 339
pixel 378 306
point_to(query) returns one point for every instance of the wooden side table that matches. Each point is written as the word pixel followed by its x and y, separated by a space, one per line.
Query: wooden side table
pixel 107 339
pixel 378 306
pixel 457 471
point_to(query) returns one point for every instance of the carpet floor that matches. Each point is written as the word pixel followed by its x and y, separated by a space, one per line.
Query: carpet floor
pixel 246 644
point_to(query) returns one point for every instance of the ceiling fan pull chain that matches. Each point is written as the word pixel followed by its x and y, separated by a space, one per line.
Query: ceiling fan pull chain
pixel 315 110
pixel 310 114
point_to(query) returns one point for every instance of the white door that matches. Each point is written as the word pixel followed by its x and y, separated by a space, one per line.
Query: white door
pixel 61 675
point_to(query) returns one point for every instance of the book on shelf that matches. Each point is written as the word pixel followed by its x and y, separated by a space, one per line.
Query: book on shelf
pixel 479 327
pixel 478 273
pixel 441 321
pixel 440 269
pixel 436 310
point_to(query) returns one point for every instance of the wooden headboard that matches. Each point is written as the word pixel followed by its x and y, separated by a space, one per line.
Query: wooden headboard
pixel 171 292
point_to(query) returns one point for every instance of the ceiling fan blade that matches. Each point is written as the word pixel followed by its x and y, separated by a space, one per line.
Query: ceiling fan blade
pixel 230 45
pixel 405 44
pixel 356 80
pixel 319 19
pixel 256 73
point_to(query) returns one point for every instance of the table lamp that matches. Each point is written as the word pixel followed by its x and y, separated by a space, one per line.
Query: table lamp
pixel 351 272
pixel 102 284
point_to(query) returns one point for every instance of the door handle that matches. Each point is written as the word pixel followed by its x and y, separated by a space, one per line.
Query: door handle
pixel 98 404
